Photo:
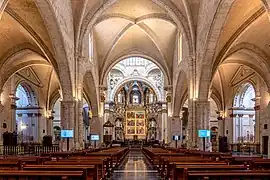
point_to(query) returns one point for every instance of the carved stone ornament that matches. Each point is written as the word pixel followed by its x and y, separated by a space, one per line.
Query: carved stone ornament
pixel 169 99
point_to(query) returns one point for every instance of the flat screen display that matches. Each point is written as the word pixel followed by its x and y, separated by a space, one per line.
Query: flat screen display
pixel 204 133
pixel 94 137
pixel 176 138
pixel 66 133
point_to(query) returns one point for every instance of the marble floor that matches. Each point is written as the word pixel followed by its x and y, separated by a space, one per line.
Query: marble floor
pixel 135 167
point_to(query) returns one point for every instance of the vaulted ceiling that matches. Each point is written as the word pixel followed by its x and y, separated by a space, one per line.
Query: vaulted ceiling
pixel 136 27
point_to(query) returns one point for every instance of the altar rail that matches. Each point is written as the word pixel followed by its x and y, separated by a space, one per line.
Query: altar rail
pixel 28 149
pixel 245 148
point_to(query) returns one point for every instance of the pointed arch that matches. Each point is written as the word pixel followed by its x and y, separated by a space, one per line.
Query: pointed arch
pixel 59 22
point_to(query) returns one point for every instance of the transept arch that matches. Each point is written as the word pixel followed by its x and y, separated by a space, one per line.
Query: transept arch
pixel 128 79
pixel 167 79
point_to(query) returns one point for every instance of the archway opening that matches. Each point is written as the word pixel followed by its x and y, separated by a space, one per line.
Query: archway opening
pixel 27 113
pixel 244 114
pixel 135 92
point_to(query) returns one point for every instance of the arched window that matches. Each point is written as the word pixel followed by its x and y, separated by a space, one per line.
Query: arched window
pixel 22 95
pixel 244 114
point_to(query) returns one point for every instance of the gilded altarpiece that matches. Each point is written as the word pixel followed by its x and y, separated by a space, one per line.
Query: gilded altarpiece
pixel 135 124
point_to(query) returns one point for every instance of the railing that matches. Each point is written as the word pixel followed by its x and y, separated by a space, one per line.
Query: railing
pixel 247 148
pixel 28 149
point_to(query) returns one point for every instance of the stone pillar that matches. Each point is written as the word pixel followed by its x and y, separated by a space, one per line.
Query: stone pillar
pixel 257 132
pixel 191 126
pixel 252 129
pixel 13 113
pixel 164 123
pixel 220 125
pixel 240 120
pixel 67 121
pixel 30 126
pixel 159 125
pixel 230 127
pixel 106 116
pixel 41 124
pixel 49 125
pixel 167 108
pixel 202 121
pixel 78 126
pixel 102 117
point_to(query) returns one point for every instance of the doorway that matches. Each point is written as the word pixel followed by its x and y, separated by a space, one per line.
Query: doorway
pixel 265 145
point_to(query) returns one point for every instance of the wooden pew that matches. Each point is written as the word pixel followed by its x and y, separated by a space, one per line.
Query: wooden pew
pixel 229 174
pixel 180 171
pixel 42 175
pixel 99 166
pixel 90 170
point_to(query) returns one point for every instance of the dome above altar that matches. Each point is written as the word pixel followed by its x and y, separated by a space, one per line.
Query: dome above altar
pixel 135 69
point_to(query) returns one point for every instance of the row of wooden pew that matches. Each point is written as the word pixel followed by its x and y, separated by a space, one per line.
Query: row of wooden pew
pixel 186 164
pixel 90 165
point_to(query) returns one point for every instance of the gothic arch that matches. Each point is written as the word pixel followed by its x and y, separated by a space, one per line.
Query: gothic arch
pixel 256 60
pixel 179 92
pixel 55 22
pixel 128 55
pixel 30 92
pixel 91 91
pixel 208 52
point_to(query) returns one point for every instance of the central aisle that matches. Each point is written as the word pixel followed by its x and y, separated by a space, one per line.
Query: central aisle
pixel 135 166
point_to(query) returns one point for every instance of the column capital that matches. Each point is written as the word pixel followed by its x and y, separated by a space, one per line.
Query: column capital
pixel 19 114
pixel 30 114
pixel 103 88
pixel 202 103
pixel 240 115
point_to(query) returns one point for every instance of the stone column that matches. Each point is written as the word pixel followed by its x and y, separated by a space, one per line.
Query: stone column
pixel 252 129
pixel 41 124
pixel 30 132
pixel 13 113
pixel 191 126
pixel 240 119
pixel 103 118
pixel 67 121
pixel 159 125
pixel 106 116
pixel 78 126
pixel 168 132
pixel 230 127
pixel 49 123
pixel 257 132
pixel 50 126
pixel 202 121
pixel 164 123
pixel 220 126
